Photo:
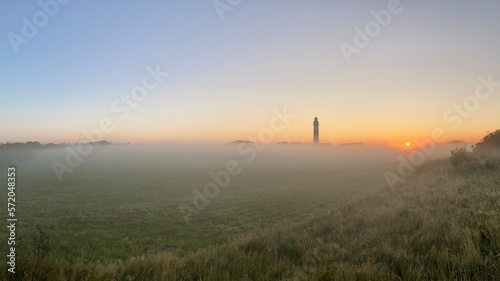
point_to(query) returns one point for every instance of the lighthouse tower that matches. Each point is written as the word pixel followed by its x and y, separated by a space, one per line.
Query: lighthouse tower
pixel 316 130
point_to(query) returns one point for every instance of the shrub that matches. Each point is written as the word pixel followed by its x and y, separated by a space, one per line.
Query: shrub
pixel 489 144
pixel 460 158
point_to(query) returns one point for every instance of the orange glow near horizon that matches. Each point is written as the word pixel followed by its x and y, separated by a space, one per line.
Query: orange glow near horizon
pixel 294 134
pixel 219 136
pixel 154 131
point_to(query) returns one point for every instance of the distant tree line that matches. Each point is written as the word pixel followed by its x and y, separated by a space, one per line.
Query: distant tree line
pixel 34 145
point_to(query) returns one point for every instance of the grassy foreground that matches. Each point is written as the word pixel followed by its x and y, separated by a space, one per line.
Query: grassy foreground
pixel 438 225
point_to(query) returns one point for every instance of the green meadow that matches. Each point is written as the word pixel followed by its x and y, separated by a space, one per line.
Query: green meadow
pixel 124 202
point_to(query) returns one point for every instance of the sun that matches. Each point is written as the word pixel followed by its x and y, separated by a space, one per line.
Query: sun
pixel 408 144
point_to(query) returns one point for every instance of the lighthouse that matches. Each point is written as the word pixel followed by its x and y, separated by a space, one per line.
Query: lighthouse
pixel 316 130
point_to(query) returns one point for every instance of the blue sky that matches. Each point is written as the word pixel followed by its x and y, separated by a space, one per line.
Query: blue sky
pixel 226 76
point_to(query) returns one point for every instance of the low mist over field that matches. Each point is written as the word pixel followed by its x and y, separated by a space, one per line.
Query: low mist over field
pixel 216 155
pixel 240 164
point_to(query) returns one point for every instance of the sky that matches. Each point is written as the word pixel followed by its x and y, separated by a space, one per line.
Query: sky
pixel 232 64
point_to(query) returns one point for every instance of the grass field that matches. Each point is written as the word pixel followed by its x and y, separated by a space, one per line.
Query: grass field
pixel 123 203
pixel 315 215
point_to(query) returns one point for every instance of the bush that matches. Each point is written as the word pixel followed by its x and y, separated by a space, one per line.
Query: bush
pixel 485 155
pixel 492 165
pixel 490 144
pixel 460 158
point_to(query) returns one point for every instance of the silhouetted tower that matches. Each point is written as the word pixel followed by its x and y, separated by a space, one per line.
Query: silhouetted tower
pixel 316 130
